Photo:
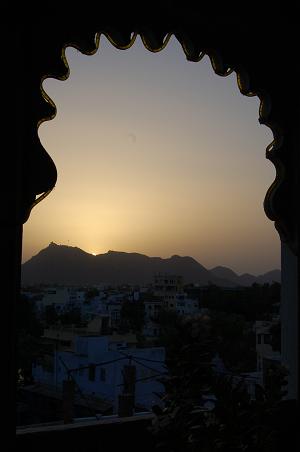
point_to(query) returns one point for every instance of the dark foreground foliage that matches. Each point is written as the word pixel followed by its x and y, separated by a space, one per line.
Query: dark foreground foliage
pixel 234 422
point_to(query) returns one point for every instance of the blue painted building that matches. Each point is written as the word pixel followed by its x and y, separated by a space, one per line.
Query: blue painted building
pixel 97 365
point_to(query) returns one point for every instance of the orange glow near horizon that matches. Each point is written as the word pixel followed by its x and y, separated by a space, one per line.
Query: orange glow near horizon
pixel 159 156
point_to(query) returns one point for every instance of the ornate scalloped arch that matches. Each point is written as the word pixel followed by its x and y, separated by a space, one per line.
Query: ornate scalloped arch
pixel 223 63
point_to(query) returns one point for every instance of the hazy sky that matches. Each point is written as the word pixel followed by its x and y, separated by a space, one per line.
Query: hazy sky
pixel 156 155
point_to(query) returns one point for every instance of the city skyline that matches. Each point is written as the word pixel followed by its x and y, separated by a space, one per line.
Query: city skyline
pixel 159 156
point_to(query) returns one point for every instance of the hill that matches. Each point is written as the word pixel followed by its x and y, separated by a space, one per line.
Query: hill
pixel 61 264
pixel 246 279
pixel 67 265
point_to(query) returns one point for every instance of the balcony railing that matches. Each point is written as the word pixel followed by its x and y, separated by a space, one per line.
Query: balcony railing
pixel 109 434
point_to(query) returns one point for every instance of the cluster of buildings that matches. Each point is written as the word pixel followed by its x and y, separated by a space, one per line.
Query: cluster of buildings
pixel 166 293
pixel 102 363
pixel 94 354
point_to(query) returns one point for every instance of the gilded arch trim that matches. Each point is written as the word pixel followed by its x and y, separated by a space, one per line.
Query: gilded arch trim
pixel 223 63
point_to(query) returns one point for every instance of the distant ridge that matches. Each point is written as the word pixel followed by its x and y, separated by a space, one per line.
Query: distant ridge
pixel 66 265
pixel 246 279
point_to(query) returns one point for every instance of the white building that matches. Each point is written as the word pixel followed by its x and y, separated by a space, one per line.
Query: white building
pixel 59 297
pixel 56 296
pixel 186 306
pixel 151 329
pixel 264 348
pixel 169 288
pixel 152 309
pixel 266 356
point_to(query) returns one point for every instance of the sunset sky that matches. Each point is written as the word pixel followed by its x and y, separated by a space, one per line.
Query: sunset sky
pixel 156 155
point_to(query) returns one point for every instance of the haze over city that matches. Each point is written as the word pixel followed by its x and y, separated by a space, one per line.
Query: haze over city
pixel 159 156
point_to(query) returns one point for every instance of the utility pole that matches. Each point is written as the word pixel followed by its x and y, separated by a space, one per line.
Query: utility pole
pixel 55 361
pixel 127 398
pixel 68 400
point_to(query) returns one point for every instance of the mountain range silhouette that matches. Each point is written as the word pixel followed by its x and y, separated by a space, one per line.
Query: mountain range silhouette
pixel 67 265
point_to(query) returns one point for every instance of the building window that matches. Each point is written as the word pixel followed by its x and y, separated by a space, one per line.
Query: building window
pixel 92 372
pixel 102 374
pixel 267 338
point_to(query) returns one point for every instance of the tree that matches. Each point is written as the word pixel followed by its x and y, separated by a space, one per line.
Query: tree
pixel 50 315
pixel 90 294
pixel 72 317
pixel 275 331
pixel 132 316
pixel 257 302
pixel 236 423
pixel 235 341
pixel 189 351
